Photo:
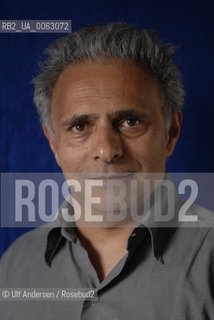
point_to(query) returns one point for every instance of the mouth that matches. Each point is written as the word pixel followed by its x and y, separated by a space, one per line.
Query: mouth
pixel 108 176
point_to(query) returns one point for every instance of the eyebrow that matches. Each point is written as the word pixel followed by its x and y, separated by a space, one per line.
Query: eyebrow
pixel 115 116
pixel 129 113
pixel 79 118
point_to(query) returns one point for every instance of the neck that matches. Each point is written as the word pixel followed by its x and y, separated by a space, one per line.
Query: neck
pixel 105 246
pixel 103 237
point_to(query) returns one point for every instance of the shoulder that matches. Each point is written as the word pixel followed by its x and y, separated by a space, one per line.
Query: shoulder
pixel 28 241
pixel 193 240
pixel 24 254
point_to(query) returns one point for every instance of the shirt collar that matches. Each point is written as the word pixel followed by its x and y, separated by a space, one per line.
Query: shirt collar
pixel 55 242
pixel 160 235
pixel 161 231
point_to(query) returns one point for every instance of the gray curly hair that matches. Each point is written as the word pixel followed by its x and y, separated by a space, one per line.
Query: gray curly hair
pixel 111 41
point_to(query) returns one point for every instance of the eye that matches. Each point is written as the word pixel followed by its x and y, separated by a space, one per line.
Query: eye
pixel 133 126
pixel 79 127
pixel 130 122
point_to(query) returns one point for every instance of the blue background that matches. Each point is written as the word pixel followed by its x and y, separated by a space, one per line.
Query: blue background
pixel 186 23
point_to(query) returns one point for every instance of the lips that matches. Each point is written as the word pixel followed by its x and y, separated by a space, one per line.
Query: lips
pixel 105 176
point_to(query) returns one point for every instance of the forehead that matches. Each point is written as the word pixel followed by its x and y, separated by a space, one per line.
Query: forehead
pixel 105 84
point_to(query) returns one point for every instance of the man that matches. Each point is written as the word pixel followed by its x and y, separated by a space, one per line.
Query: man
pixel 110 100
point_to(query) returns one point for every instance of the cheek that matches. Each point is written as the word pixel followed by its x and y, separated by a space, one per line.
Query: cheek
pixel 71 158
pixel 150 151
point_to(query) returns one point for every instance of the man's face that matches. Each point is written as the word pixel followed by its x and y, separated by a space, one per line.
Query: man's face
pixel 107 117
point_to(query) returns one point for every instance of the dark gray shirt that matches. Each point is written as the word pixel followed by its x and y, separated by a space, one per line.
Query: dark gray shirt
pixel 167 273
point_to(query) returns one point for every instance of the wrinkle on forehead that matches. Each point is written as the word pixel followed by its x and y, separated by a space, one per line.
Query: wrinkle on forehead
pixel 95 83
pixel 92 74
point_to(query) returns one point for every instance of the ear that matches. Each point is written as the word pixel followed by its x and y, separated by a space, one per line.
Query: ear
pixel 52 142
pixel 174 132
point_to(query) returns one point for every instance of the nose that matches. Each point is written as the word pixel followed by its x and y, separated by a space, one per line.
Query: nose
pixel 107 145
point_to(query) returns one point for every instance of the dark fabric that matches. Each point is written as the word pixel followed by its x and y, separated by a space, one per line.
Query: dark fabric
pixel 55 242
